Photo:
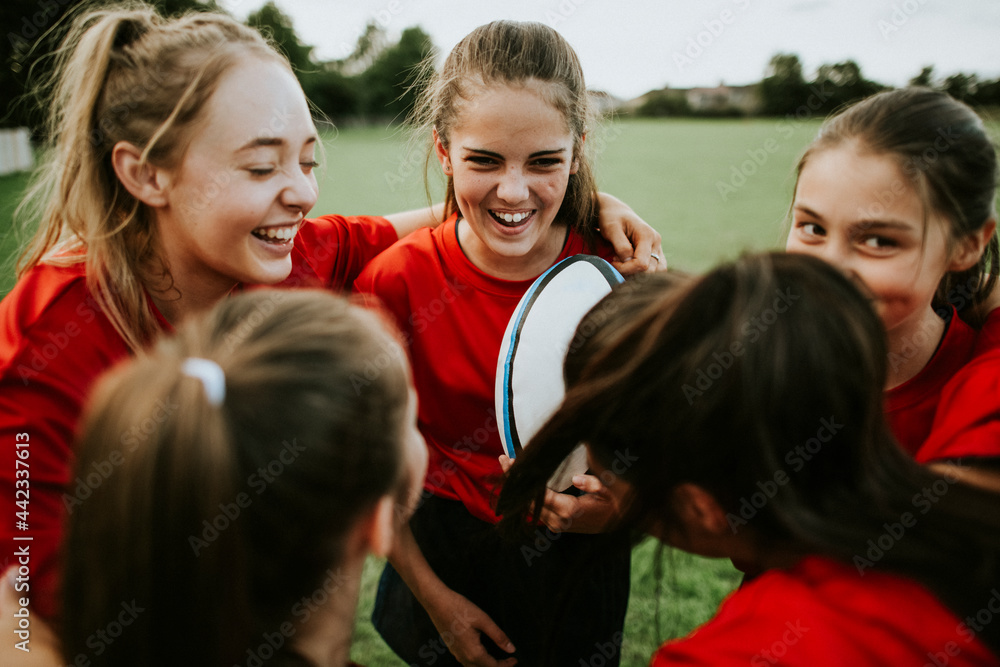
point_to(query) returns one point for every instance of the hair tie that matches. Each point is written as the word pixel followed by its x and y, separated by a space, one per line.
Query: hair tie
pixel 213 379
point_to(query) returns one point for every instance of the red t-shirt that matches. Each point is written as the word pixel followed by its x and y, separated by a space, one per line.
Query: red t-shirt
pixel 453 316
pixel 823 613
pixel 54 343
pixel 910 407
pixel 967 423
pixel 989 335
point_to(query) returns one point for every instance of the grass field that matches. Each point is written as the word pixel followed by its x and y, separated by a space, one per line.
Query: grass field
pixel 670 172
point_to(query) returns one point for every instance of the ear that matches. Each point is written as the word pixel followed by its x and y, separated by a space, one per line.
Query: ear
pixel 699 511
pixel 144 181
pixel 442 154
pixel 970 249
pixel 380 527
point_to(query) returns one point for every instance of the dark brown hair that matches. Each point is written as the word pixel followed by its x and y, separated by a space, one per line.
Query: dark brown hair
pixel 511 53
pixel 941 146
pixel 715 384
pixel 217 520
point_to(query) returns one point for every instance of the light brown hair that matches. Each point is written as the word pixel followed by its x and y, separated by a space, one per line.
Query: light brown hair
pixel 217 519
pixel 123 73
pixel 511 53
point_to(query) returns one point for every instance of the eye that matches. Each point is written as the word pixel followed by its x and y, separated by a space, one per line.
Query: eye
pixel 546 162
pixel 260 171
pixel 879 242
pixel 481 160
pixel 309 165
pixel 810 230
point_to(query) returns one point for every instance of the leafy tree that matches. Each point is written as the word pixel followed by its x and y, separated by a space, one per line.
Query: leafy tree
pixel 387 86
pixel 783 89
pixel 961 86
pixel 32 30
pixel 277 26
pixel 925 78
pixel 840 84
pixel 665 103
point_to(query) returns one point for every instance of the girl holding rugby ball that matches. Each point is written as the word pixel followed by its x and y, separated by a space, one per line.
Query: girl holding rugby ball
pixel 180 168
pixel 508 116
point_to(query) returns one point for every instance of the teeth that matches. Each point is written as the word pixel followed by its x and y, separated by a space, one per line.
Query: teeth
pixel 276 233
pixel 512 217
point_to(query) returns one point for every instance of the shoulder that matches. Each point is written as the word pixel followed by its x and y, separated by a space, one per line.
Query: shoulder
pixel 821 612
pixel 46 296
pixel 54 337
pixel 967 420
pixel 409 257
pixel 329 236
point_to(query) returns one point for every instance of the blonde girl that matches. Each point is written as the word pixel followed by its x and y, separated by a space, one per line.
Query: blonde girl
pixel 181 167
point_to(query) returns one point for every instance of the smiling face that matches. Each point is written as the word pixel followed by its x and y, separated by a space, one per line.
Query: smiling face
pixel 859 212
pixel 510 154
pixel 243 185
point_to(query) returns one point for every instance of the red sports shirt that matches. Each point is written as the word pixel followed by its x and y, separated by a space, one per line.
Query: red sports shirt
pixel 453 316
pixel 55 342
pixel 823 613
pixel 911 407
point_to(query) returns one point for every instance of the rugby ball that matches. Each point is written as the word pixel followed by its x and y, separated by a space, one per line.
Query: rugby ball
pixel 529 384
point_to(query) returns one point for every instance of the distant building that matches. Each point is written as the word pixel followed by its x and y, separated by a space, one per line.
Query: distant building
pixel 723 97
pixel 720 99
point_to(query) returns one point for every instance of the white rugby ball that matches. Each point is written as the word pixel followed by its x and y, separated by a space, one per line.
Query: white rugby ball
pixel 529 384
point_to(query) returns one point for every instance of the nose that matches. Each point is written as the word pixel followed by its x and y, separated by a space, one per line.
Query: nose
pixel 301 192
pixel 513 187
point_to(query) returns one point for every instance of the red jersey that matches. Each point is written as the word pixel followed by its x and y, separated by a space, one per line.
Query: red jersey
pixel 453 316
pixel 989 335
pixel 910 407
pixel 823 613
pixel 967 423
pixel 54 343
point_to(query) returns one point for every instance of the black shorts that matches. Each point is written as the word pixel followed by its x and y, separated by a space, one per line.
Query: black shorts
pixel 560 598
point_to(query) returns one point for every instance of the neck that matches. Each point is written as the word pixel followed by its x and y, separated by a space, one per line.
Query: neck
pixel 325 638
pixel 523 267
pixel 186 293
pixel 911 347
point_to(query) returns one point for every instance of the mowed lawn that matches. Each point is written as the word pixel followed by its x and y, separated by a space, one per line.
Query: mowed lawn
pixel 712 188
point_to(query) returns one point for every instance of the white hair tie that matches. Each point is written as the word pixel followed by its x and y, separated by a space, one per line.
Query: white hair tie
pixel 213 379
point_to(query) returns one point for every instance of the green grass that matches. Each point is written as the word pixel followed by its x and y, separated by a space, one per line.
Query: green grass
pixel 669 173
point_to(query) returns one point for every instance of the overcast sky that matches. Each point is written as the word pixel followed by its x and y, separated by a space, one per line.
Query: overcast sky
pixel 629 47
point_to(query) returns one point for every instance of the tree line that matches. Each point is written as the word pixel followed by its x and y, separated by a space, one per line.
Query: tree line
pixel 371 83
pixel 784 90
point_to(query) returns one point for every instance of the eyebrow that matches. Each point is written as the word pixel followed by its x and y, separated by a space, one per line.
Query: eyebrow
pixel 865 224
pixel 269 141
pixel 555 151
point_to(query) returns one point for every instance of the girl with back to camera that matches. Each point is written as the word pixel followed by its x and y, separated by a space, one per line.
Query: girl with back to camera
pixel 180 168
pixel 508 115
pixel 235 532
pixel 898 191
pixel 869 558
